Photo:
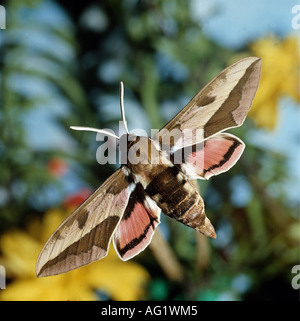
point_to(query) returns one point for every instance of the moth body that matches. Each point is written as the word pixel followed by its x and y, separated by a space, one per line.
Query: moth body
pixel 165 183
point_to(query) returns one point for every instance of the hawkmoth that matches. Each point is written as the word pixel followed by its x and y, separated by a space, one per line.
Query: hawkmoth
pixel 126 208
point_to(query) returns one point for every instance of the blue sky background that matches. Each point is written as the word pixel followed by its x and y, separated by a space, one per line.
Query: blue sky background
pixel 236 22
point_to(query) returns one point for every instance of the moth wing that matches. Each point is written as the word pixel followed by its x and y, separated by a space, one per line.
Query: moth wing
pixel 223 103
pixel 215 155
pixel 137 226
pixel 84 236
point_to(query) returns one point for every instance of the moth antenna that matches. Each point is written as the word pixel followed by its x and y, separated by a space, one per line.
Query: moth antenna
pixel 90 129
pixel 122 106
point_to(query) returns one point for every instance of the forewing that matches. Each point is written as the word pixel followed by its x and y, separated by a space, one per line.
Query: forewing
pixel 137 226
pixel 215 155
pixel 84 236
pixel 223 103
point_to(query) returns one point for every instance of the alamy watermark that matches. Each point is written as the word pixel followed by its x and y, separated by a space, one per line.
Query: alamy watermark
pixel 2 18
pixel 140 149
pixel 296 279
pixel 2 277
pixel 296 18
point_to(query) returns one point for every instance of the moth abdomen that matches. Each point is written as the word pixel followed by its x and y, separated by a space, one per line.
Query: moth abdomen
pixel 183 207
pixel 179 199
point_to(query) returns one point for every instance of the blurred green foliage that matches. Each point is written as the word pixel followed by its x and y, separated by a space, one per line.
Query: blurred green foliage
pixel 78 52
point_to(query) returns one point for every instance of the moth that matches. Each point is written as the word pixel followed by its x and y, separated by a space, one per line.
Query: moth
pixel 126 208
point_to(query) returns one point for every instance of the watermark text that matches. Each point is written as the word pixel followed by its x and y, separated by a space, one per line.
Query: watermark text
pixel 140 149
pixel 2 277
pixel 296 18
pixel 2 18
pixel 296 279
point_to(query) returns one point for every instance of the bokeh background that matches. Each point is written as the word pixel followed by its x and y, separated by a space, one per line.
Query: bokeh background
pixel 61 63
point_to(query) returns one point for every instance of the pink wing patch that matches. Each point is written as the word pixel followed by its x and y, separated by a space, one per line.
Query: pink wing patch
pixel 216 155
pixel 136 228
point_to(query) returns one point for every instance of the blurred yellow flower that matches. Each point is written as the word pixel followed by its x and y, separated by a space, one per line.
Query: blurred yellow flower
pixel 279 77
pixel 20 249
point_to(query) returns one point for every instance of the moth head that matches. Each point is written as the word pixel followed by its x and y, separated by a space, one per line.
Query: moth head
pixel 104 131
